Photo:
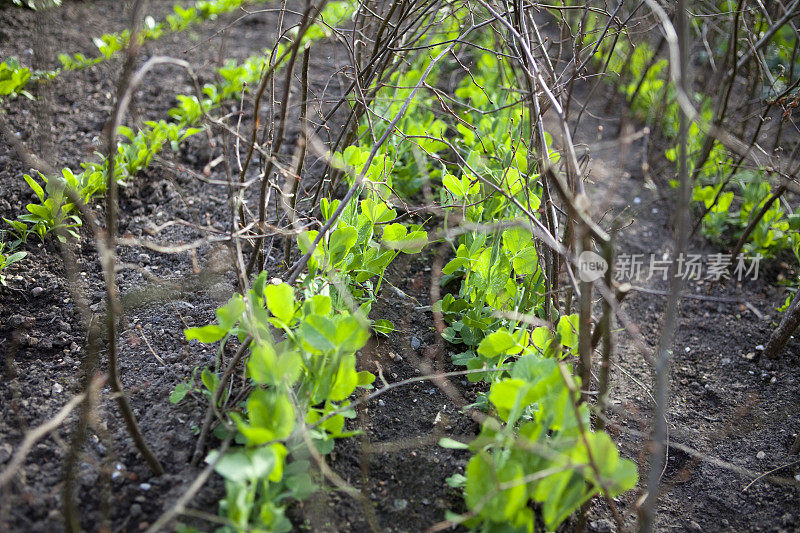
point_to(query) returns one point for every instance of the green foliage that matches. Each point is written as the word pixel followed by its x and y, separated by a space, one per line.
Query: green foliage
pixel 309 372
pixel 53 212
pixel 8 258
pixel 13 78
pixel 727 195
pixel 135 151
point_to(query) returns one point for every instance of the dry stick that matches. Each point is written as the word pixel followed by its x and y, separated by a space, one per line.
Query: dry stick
pixel 722 105
pixel 661 370
pixel 605 328
pixel 307 20
pixel 620 292
pixel 585 325
pixel 295 179
pixel 756 219
pixel 781 335
pixel 108 259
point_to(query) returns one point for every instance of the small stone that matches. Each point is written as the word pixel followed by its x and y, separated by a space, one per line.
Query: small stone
pixel 761 455
pixel 415 343
pixel 381 403
pixel 601 526
pixel 750 356
pixel 694 526
pixel 145 486
pixel 400 504
pixel 136 509
pixel 760 347
pixel 36 291
pixel 57 388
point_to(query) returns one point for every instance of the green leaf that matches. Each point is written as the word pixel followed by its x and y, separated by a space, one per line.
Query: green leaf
pixel 35 186
pixel 345 380
pixel 383 326
pixel 319 332
pixel 210 380
pixel 452 444
pixel 180 392
pixel 498 343
pixel 280 300
pixel 229 314
pixel 350 334
pixel 340 243
pixel 262 364
pixel 568 329
pixel 13 258
pixel 365 378
pixel 205 334
pixel 510 396
pixel 453 185
pixel 271 417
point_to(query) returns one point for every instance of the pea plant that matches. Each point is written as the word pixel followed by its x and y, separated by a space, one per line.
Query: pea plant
pixel 741 206
pixel 450 141
pixel 15 77
pixel 303 366
pixel 536 444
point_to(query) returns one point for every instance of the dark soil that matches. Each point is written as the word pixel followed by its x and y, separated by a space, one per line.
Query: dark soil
pixel 727 403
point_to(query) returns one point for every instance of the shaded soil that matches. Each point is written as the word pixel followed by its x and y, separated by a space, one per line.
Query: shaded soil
pixel 727 403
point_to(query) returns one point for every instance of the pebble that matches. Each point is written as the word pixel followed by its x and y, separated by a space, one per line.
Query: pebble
pixel 145 486
pixel 381 403
pixel 57 388
pixel 761 455
pixel 601 526
pixel 36 291
pixel 415 343
pixel 400 504
pixel 760 347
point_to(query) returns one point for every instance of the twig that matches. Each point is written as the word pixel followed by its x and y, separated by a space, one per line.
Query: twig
pixel 661 371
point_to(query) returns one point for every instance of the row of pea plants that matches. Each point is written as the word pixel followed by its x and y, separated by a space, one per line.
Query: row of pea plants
pixel 728 194
pixel 536 444
pixel 14 77
pixel 54 213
